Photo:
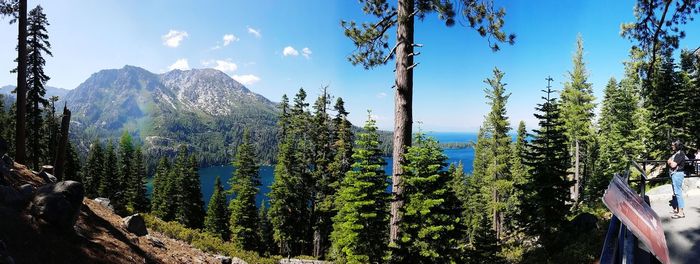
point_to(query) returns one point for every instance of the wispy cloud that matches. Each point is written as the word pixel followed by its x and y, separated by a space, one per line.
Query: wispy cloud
pixel 246 79
pixel 180 64
pixel 381 95
pixel 228 38
pixel 225 66
pixel 255 32
pixel 173 38
pixel 290 51
pixel 306 52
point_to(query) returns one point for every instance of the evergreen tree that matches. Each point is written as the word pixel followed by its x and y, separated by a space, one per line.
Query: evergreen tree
pixel 73 168
pixel 545 204
pixel 267 243
pixel 372 43
pixel 577 105
pixel 362 204
pixel 474 200
pixel 216 220
pixel 160 198
pixel 51 131
pixel 138 199
pixel 109 184
pixel 37 45
pixel 520 173
pixel 290 192
pixel 94 170
pixel 431 225
pixel 124 171
pixel 498 176
pixel 321 134
pixel 190 206
pixel 245 184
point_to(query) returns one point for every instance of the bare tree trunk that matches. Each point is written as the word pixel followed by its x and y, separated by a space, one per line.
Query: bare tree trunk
pixel 403 108
pixel 20 131
pixel 62 143
pixel 576 173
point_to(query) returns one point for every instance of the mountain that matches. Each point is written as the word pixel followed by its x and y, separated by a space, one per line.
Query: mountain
pixel 204 108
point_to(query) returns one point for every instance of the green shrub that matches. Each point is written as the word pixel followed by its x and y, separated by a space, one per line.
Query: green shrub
pixel 205 241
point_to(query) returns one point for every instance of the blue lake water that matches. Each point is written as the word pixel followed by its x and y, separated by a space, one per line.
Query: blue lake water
pixel 208 175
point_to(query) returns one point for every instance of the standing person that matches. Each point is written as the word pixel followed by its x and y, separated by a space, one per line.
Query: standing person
pixel 676 163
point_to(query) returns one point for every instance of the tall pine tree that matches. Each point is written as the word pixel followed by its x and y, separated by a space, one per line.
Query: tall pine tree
pixel 577 105
pixel 190 210
pixel 94 170
pixel 362 202
pixel 161 203
pixel 546 200
pixel 138 199
pixel 431 225
pixel 244 186
pixel 37 45
pixel 109 182
pixel 216 220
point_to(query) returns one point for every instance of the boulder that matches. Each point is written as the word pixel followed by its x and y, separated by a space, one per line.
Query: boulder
pixel 135 224
pixel 58 205
pixel 223 259
pixel 104 202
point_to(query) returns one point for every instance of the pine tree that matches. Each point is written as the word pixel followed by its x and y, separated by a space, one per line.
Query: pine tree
pixel 190 206
pixel 51 131
pixel 37 43
pixel 267 242
pixel 245 186
pixel 160 196
pixel 73 168
pixel 500 185
pixel 216 220
pixel 475 200
pixel 109 184
pixel 520 173
pixel 431 225
pixel 362 203
pixel 290 192
pixel 138 199
pixel 321 134
pixel 577 105
pixel 94 170
pixel 372 43
pixel 545 204
pixel 125 155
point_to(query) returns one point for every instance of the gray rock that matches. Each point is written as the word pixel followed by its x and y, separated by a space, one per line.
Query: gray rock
pixel 58 205
pixel 48 177
pixel 135 224
pixel 105 202
pixel 223 259
pixel 155 242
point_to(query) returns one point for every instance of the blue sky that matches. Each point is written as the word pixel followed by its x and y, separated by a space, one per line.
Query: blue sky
pixel 88 36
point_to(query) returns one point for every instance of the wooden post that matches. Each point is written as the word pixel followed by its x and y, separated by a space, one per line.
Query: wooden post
pixel 62 143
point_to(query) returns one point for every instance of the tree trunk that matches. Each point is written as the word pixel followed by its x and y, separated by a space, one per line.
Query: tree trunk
pixel 62 143
pixel 576 174
pixel 21 83
pixel 403 108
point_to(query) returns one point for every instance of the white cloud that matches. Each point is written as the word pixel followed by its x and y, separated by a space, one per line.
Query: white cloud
pixel 180 64
pixel 381 95
pixel 375 117
pixel 255 32
pixel 173 38
pixel 226 66
pixel 246 79
pixel 228 38
pixel 306 52
pixel 290 51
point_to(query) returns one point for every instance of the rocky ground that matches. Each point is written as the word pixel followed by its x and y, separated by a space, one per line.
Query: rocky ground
pixel 42 222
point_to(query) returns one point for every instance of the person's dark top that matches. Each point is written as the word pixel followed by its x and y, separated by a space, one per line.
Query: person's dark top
pixel 679 159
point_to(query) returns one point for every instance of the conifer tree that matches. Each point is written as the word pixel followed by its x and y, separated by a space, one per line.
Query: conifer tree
pixel 109 185
pixel 37 45
pixel 267 243
pixel 245 184
pixel 520 173
pixel 432 224
pixel 94 170
pixel 322 136
pixel 160 198
pixel 290 192
pixel 362 202
pixel 51 131
pixel 500 185
pixel 475 200
pixel 138 199
pixel 577 105
pixel 73 168
pixel 372 43
pixel 216 220
pixel 545 204
pixel 190 210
